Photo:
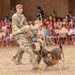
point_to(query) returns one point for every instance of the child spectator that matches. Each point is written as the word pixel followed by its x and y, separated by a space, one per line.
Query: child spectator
pixel 6 19
pixel 63 29
pixel 51 36
pixel 46 31
pixel 71 22
pixel 41 33
pixel 30 23
pixel 63 33
pixel 55 26
pixel 73 38
pixel 69 35
pixel 64 21
pixel 1 22
pixel 4 27
pixel 59 23
pixel 7 39
pixel 50 21
pixel 8 34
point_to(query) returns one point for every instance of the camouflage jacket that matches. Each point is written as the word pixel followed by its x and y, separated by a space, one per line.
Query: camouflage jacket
pixel 19 21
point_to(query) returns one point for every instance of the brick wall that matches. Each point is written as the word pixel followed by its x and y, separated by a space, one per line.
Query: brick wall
pixel 12 3
pixel 30 7
pixel 0 7
pixel 72 6
pixel 4 8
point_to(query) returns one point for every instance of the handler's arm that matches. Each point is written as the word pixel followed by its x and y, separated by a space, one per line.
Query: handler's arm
pixel 15 28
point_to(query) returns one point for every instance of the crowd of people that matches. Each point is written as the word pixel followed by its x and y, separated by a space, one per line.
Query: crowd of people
pixel 52 29
pixel 6 32
pixel 55 28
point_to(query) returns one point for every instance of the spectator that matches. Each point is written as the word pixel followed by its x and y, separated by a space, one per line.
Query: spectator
pixel 12 12
pixel 71 22
pixel 63 29
pixel 4 27
pixel 51 36
pixel 50 21
pixel 1 23
pixel 30 23
pixel 55 26
pixel 64 22
pixel 68 16
pixel 46 31
pixel 40 33
pixel 63 34
pixel 54 14
pixel 40 13
pixel 59 23
pixel 6 19
pixel 69 35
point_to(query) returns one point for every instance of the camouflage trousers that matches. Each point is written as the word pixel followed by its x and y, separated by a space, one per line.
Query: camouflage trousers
pixel 24 44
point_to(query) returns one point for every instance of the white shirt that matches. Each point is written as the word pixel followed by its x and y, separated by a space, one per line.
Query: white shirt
pixel 59 24
pixel 70 32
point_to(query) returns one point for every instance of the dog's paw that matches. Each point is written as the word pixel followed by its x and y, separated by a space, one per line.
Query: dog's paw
pixel 64 67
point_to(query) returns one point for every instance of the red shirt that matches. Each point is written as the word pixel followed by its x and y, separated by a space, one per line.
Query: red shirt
pixel 1 24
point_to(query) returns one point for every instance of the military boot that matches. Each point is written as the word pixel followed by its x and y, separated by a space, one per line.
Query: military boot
pixel 35 66
pixel 14 60
pixel 18 63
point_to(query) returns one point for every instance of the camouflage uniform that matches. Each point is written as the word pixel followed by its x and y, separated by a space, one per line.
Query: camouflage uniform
pixel 19 21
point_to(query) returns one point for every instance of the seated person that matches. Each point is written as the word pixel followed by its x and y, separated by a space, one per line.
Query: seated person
pixel 1 22
pixel 46 31
pixel 51 36
pixel 59 23
pixel 63 30
pixel 40 33
pixel 69 35
pixel 6 19
pixel 73 37
pixel 63 33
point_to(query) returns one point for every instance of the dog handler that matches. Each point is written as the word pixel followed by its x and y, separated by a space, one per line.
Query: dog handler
pixel 18 28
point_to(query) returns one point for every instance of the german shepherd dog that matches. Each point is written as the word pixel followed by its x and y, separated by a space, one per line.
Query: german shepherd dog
pixel 52 57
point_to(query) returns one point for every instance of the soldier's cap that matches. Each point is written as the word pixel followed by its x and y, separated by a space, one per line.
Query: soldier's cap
pixel 38 22
pixel 19 6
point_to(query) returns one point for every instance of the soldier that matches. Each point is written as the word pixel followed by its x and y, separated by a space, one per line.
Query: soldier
pixel 18 30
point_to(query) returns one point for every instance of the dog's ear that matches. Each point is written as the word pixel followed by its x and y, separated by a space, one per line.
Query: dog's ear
pixel 45 51
pixel 33 45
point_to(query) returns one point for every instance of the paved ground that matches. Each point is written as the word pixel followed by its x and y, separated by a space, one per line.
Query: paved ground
pixel 7 67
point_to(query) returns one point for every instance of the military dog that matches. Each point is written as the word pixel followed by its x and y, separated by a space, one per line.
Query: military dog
pixel 52 57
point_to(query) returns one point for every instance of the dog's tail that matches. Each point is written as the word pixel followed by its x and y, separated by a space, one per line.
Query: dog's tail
pixel 60 44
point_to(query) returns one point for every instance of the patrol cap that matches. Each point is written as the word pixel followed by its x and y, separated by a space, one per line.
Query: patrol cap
pixel 38 22
pixel 19 6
